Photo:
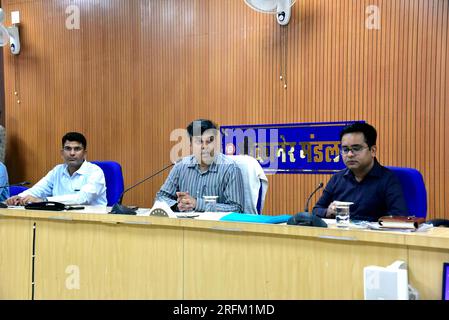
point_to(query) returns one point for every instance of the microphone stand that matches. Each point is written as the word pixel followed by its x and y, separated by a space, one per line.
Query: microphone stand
pixel 306 209
pixel 118 208
pixel 306 219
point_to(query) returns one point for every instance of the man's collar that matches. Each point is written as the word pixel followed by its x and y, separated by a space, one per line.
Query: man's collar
pixel 194 163
pixel 376 170
pixel 81 170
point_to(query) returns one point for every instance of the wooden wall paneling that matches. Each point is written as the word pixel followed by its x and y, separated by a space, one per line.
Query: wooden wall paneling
pixel 137 70
pixel 383 115
pixel 429 116
pixel 440 103
pixel 409 81
pixel 421 110
pixel 445 130
pixel 436 100
pixel 406 58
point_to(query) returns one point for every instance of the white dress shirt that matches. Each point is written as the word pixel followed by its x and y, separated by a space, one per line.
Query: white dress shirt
pixel 86 186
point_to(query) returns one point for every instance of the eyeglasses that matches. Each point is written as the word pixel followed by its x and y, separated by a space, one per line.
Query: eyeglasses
pixel 200 141
pixel 355 149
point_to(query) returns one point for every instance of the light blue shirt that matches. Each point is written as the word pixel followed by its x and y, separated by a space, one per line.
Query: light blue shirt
pixel 86 186
pixel 4 192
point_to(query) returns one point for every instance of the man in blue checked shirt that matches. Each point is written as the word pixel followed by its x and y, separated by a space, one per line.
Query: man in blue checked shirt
pixel 207 172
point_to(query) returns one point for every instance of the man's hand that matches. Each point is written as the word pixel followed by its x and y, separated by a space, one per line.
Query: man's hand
pixel 30 199
pixel 18 201
pixel 185 201
pixel 13 201
pixel 331 210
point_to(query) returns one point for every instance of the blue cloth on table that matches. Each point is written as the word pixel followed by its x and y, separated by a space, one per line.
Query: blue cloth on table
pixel 255 218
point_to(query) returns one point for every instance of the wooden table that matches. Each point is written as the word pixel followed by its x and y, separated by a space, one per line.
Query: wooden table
pixel 104 256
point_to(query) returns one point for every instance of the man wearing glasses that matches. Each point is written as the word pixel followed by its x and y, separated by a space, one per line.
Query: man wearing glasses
pixel 77 181
pixel 374 189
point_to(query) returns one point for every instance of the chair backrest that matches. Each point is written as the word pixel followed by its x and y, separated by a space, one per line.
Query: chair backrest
pixel 114 180
pixel 255 183
pixel 414 190
pixel 15 190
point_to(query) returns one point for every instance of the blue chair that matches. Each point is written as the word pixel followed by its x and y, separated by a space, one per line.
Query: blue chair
pixel 15 190
pixel 414 190
pixel 114 180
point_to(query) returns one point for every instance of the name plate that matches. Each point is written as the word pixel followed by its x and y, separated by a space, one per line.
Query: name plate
pixel 288 148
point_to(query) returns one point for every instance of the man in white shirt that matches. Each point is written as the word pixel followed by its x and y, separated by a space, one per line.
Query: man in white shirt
pixel 77 181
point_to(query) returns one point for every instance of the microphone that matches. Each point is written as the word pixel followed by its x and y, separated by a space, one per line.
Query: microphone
pixel 24 183
pixel 306 209
pixel 306 219
pixel 118 208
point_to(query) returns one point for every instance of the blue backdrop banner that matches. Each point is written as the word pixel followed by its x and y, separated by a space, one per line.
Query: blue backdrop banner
pixel 288 148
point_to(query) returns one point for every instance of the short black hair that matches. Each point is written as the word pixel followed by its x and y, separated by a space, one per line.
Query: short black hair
pixel 74 136
pixel 368 131
pixel 202 124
